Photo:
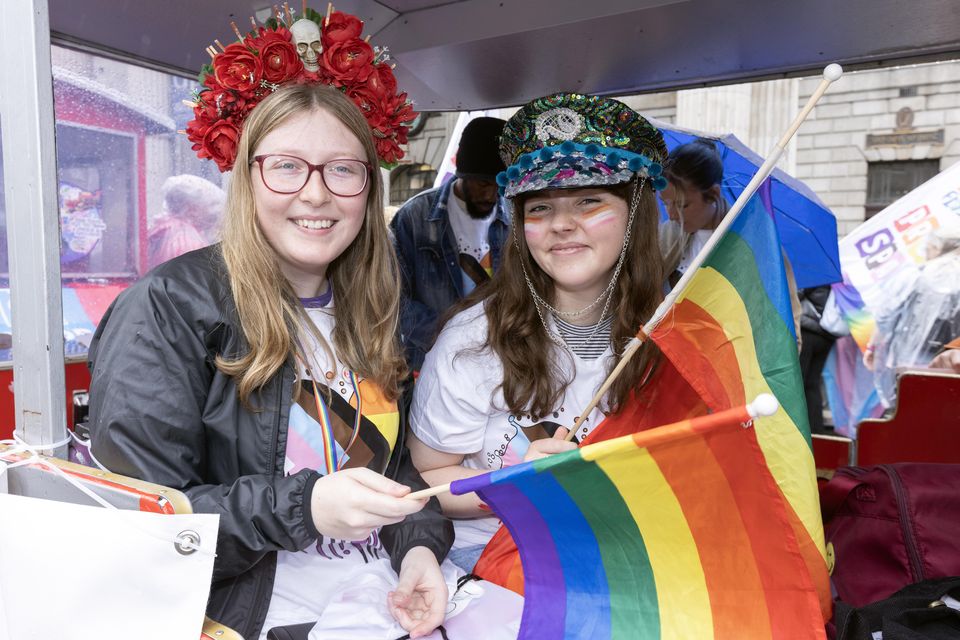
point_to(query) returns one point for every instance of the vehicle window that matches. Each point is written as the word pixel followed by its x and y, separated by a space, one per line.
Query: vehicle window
pixel 132 193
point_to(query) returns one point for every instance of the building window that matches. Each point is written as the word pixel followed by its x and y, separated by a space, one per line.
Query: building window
pixel 890 181
pixel 408 180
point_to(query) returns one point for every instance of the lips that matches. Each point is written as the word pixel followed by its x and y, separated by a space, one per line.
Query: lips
pixel 567 247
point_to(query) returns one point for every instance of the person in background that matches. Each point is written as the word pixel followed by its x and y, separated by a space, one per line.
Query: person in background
pixel 192 207
pixel 816 343
pixel 448 239
pixel 949 358
pixel 694 203
pixel 511 371
pixel 920 316
pixel 695 206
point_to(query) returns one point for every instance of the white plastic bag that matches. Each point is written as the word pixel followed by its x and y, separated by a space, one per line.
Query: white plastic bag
pixel 88 573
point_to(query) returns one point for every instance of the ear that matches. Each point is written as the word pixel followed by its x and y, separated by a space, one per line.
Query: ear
pixel 713 193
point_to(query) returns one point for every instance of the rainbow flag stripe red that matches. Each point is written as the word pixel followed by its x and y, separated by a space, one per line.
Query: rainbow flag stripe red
pixel 731 335
pixel 675 532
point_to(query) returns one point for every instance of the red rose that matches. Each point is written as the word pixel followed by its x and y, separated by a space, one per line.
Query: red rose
pixel 280 62
pixel 349 62
pixel 341 27
pixel 385 114
pixel 238 68
pixel 388 150
pixel 374 106
pixel 217 104
pixel 195 130
pixel 220 144
pixel 404 112
pixel 278 54
pixel 382 81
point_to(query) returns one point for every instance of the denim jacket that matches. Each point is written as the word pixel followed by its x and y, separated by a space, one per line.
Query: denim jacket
pixel 429 265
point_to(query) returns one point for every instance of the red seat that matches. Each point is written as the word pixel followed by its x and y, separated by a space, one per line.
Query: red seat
pixel 924 426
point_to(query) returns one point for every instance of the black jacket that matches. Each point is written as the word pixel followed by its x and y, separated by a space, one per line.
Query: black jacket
pixel 161 411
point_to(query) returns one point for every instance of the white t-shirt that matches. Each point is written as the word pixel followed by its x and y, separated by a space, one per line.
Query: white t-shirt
pixel 341 585
pixel 473 242
pixel 698 239
pixel 306 581
pixel 458 409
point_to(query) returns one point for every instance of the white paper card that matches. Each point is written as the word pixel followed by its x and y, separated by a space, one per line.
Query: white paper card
pixel 88 573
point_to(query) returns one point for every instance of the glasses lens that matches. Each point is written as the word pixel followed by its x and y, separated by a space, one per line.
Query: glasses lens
pixel 345 177
pixel 284 174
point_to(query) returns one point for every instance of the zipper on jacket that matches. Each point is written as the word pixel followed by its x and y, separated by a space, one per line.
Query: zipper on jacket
pixel 260 596
pixel 908 538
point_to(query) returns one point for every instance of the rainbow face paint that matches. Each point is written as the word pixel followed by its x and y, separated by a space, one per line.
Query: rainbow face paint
pixel 597 216
pixel 533 227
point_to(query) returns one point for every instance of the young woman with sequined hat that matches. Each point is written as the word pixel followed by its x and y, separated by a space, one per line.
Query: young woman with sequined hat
pixel 260 376
pixel 581 273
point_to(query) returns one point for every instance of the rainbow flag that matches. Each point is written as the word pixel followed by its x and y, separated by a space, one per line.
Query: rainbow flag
pixel 731 335
pixel 675 532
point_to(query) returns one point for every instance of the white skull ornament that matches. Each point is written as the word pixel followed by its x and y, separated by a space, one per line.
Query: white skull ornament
pixel 306 35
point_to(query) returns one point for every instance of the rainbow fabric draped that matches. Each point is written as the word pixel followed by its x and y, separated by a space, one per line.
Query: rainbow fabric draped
pixel 676 532
pixel 731 335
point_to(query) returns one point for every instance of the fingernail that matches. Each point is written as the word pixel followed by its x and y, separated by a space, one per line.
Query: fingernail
pixel 483 505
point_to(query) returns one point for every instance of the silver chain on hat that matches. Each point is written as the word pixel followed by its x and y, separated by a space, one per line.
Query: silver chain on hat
pixel 540 303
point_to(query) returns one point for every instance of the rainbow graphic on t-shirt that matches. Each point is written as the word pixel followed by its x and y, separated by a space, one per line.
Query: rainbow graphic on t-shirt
pixel 378 428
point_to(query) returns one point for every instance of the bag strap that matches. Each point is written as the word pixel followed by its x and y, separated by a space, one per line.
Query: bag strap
pixel 835 492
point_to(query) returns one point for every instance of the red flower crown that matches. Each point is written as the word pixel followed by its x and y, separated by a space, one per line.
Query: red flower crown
pixel 243 73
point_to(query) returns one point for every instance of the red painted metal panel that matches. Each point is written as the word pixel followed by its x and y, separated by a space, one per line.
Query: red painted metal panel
pixel 77 379
pixel 923 429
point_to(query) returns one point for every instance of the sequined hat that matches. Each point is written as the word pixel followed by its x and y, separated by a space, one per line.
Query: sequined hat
pixel 569 140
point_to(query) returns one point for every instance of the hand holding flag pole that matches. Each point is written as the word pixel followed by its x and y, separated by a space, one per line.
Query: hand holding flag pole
pixel 763 405
pixel 831 73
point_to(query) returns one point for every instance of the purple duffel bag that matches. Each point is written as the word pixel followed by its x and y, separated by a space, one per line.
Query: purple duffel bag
pixel 889 526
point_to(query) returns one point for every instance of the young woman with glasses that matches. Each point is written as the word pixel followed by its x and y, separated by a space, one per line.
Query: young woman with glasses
pixel 261 376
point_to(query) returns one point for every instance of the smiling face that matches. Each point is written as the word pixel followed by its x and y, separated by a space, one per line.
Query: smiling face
pixel 575 236
pixel 309 229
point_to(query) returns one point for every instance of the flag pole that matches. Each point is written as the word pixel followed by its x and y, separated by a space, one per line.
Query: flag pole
pixel 831 73
pixel 430 492
pixel 763 405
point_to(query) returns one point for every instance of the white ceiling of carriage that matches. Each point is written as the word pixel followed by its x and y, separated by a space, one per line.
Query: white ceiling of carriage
pixel 469 54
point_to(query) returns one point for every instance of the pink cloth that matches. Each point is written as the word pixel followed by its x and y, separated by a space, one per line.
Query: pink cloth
pixel 171 237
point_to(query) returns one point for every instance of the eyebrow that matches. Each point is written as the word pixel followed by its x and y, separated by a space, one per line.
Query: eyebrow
pixel 338 155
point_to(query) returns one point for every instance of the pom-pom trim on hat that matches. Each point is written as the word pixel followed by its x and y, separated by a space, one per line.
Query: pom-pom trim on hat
pixel 571 165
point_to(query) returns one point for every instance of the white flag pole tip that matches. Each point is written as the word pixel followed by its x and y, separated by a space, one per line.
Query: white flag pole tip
pixel 832 72
pixel 763 405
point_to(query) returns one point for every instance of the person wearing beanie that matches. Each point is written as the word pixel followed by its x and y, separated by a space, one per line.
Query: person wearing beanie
pixel 448 239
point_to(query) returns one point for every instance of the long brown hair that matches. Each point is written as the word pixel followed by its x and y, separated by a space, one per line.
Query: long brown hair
pixel 534 377
pixel 364 278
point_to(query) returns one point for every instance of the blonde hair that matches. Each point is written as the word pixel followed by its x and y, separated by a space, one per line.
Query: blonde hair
pixel 364 278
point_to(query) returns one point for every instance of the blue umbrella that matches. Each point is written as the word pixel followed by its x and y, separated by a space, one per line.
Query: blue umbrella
pixel 808 229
